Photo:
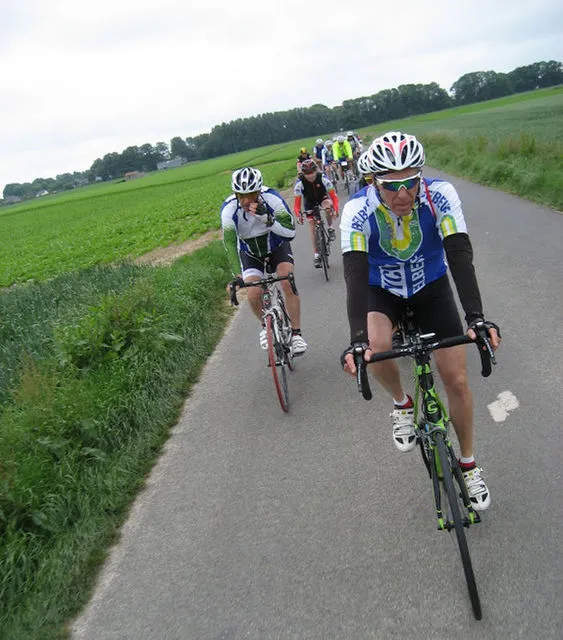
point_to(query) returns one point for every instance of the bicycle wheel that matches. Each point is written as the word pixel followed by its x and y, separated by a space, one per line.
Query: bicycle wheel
pixel 455 517
pixel 285 331
pixel 323 250
pixel 276 360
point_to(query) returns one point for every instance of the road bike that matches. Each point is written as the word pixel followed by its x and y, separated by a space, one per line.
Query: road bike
pixel 348 175
pixel 276 321
pixel 322 241
pixel 334 175
pixel 454 509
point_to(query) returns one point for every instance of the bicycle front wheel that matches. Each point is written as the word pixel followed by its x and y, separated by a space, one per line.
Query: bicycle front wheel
pixel 455 518
pixel 277 362
pixel 323 250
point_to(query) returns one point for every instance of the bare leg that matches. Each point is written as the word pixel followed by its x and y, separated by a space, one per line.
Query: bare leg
pixel 255 297
pixel 312 235
pixel 451 364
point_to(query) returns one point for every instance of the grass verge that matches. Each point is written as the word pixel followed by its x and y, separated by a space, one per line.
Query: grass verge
pixel 84 419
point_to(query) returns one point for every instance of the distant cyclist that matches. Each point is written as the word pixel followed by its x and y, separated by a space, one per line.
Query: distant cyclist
pixel 256 223
pixel 343 151
pixel 303 155
pixel 313 188
pixel 365 171
pixel 396 236
pixel 355 143
pixel 318 152
pixel 327 157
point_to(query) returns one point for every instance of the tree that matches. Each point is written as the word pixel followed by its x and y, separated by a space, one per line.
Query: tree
pixel 178 147
pixel 162 152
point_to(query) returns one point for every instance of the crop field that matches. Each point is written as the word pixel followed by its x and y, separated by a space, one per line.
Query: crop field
pixel 513 143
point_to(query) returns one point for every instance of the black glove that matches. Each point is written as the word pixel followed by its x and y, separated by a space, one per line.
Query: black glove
pixel 264 214
pixel 480 325
pixel 355 347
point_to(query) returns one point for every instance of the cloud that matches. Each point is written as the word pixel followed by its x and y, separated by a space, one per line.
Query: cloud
pixel 79 83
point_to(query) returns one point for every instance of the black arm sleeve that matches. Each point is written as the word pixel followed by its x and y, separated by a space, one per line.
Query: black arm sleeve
pixel 356 275
pixel 459 253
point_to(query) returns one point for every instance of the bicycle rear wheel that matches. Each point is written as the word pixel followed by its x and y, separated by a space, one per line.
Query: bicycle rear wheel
pixel 454 516
pixel 277 362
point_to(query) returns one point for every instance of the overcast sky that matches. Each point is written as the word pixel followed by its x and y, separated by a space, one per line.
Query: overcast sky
pixel 81 79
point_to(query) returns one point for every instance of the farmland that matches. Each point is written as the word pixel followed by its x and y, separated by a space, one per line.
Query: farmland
pixel 513 143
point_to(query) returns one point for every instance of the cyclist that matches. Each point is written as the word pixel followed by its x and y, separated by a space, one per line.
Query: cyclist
pixel 327 158
pixel 355 143
pixel 318 152
pixel 303 155
pixel 256 223
pixel 365 169
pixel 396 235
pixel 342 151
pixel 314 188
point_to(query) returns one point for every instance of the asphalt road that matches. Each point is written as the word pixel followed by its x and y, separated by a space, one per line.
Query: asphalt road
pixel 257 524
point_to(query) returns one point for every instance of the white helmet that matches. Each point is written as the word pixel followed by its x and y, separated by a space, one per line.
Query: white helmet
pixel 328 143
pixel 340 139
pixel 364 164
pixel 319 141
pixel 350 133
pixel 246 180
pixel 394 151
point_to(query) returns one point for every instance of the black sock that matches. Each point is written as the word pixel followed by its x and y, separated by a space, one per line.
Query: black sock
pixel 296 332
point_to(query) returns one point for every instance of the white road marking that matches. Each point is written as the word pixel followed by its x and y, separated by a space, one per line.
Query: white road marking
pixel 500 408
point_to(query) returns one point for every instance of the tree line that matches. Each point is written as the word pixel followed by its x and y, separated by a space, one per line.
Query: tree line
pixel 283 126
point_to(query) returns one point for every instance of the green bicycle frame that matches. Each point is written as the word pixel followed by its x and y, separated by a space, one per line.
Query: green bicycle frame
pixel 430 411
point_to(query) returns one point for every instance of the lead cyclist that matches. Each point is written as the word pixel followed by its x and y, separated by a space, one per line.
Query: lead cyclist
pixel 396 235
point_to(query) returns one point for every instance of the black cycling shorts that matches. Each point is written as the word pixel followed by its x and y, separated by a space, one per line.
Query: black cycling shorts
pixel 434 307
pixel 253 265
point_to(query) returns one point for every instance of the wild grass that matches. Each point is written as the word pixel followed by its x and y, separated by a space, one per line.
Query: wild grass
pixel 83 419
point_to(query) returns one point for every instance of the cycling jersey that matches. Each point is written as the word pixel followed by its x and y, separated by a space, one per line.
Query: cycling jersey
pixel 328 156
pixel 404 253
pixel 313 193
pixel 342 151
pixel 318 152
pixel 244 232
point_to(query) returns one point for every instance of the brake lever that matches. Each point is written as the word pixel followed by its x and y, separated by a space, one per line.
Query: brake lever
pixel 361 373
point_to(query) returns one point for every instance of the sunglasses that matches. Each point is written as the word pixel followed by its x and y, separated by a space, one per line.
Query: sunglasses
pixel 397 185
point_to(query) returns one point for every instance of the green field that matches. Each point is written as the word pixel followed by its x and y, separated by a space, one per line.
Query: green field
pixel 513 143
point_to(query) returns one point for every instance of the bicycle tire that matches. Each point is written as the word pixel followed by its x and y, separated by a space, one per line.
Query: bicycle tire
pixel 276 360
pixel 323 251
pixel 455 514
pixel 285 329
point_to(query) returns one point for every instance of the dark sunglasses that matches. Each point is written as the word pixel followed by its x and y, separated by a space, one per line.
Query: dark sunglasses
pixel 397 185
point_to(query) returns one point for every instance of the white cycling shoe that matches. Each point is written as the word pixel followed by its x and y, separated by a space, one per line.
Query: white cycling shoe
pixel 479 493
pixel 403 429
pixel 298 345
